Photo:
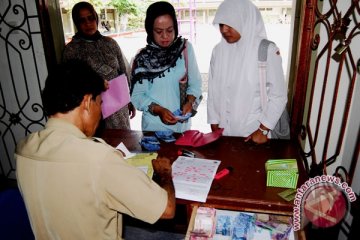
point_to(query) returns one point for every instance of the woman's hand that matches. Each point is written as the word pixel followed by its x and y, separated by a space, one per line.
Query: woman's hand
pixel 257 136
pixel 132 110
pixel 214 127
pixel 166 116
pixel 187 108
pixel 106 84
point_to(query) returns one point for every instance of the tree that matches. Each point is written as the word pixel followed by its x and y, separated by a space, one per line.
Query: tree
pixel 124 7
pixel 68 5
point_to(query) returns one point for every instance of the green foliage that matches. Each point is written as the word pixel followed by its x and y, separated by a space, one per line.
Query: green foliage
pixel 98 4
pixel 134 9
pixel 137 21
pixel 124 7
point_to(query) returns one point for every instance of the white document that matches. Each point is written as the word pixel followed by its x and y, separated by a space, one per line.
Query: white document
pixel 125 151
pixel 193 177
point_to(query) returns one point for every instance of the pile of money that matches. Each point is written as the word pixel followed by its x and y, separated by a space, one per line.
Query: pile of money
pixel 233 225
pixel 279 226
pixel 243 227
pixel 204 225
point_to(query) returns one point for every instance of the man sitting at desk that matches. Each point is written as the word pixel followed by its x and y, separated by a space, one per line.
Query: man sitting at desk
pixel 78 187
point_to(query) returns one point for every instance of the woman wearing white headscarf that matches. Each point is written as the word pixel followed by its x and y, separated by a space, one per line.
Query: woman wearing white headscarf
pixel 234 86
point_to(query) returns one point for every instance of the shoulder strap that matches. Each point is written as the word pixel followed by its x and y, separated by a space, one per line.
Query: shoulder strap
pixel 184 79
pixel 183 83
pixel 263 50
pixel 186 57
pixel 262 63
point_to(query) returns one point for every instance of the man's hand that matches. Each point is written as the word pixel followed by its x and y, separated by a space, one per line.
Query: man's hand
pixel 162 168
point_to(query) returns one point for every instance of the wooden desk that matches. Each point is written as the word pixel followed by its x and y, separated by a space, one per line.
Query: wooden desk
pixel 245 188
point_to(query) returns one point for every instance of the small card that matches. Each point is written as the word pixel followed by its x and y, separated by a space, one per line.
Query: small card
pixel 150 143
pixel 288 194
pixel 150 139
pixel 127 154
pixel 166 136
pixel 180 117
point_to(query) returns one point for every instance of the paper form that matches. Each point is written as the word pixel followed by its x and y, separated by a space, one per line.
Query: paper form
pixel 193 177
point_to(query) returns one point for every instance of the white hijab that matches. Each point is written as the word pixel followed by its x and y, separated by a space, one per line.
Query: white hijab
pixel 236 63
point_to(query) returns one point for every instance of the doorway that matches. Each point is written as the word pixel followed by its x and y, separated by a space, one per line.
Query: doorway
pixel 204 36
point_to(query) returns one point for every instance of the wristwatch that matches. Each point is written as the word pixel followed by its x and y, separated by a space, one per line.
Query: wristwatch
pixel 263 131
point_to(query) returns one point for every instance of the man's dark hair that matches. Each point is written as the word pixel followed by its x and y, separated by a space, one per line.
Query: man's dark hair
pixel 67 84
pixel 155 10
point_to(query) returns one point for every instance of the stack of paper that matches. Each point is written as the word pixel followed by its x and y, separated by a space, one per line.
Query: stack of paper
pixel 142 161
pixel 193 177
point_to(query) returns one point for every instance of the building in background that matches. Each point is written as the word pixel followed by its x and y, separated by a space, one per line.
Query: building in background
pixel 189 13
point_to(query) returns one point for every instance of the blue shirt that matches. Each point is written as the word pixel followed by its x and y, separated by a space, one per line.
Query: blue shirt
pixel 165 92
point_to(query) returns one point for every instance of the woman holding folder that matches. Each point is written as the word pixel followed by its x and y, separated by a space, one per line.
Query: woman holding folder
pixel 104 55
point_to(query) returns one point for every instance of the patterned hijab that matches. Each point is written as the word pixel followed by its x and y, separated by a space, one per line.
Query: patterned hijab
pixel 152 61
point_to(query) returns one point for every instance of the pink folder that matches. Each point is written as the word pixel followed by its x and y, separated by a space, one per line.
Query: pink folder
pixel 116 97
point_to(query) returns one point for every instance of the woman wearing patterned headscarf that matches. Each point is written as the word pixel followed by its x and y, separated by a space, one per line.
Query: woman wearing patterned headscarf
pixel 158 70
pixel 102 53
pixel 234 84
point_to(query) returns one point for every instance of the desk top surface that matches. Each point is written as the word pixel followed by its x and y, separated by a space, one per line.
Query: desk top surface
pixel 244 189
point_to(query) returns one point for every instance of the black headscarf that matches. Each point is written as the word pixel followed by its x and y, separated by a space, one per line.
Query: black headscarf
pixel 155 10
pixel 152 61
pixel 76 19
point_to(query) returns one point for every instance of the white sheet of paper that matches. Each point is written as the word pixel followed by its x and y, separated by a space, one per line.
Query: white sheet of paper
pixel 123 148
pixel 144 169
pixel 193 177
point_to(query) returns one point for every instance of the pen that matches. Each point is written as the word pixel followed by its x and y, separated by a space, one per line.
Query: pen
pixel 186 153
pixel 223 173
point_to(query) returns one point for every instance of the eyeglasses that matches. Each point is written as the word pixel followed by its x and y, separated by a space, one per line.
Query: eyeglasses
pixel 86 19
